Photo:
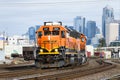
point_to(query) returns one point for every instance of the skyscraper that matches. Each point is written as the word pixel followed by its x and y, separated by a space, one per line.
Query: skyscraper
pixel 97 30
pixel 91 30
pixel 37 27
pixel 31 34
pixel 79 24
pixel 112 32
pixel 117 21
pixel 91 27
pixel 106 17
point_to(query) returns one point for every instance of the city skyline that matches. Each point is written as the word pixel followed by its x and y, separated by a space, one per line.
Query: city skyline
pixel 18 16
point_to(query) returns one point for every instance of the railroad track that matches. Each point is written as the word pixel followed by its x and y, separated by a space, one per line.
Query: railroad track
pixel 74 73
pixel 116 61
pixel 23 72
pixel 55 74
pixel 16 72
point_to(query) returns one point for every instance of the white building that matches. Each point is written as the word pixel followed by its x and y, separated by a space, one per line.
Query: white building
pixel 112 32
pixel 13 49
pixel 17 45
pixel 90 49
pixel 1 42
pixel 18 40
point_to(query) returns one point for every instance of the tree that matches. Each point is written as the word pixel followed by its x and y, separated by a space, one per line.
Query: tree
pixel 102 42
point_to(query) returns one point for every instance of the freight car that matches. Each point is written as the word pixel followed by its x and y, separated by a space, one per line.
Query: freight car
pixel 58 46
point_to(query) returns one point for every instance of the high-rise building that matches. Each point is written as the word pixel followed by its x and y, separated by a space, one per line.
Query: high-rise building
pixel 112 32
pixel 79 24
pixel 106 17
pixel 86 31
pixel 37 27
pixel 97 30
pixel 117 21
pixel 31 32
pixel 91 30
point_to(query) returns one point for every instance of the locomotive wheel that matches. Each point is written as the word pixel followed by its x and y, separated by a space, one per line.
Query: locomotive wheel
pixel 37 64
pixel 84 59
pixel 62 52
pixel 61 63
pixel 80 60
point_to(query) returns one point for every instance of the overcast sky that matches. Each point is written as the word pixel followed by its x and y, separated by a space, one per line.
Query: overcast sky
pixel 17 15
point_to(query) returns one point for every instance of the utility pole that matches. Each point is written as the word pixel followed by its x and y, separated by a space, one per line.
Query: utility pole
pixel 4 44
pixel 2 47
pixel 4 40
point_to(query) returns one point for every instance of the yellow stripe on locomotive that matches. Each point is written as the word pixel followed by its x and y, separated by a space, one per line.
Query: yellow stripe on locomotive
pixel 53 51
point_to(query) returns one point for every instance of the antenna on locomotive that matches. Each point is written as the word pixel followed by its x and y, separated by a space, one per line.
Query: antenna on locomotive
pixel 60 22
pixel 44 23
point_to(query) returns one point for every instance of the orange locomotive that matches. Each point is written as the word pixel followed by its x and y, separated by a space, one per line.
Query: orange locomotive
pixel 58 46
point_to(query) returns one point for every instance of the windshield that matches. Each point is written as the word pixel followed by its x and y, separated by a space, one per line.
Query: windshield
pixel 47 32
pixel 51 33
pixel 55 32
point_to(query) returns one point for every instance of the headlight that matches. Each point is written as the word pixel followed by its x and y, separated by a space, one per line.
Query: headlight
pixel 41 50
pixel 82 39
pixel 56 50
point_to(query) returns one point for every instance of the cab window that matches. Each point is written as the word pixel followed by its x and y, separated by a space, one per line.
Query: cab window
pixel 63 34
pixel 55 32
pixel 47 33
pixel 39 34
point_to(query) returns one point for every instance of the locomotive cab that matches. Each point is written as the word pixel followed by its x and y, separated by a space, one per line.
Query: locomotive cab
pixel 50 37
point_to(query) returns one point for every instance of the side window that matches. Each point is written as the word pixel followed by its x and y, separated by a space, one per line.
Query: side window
pixel 39 34
pixel 63 34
